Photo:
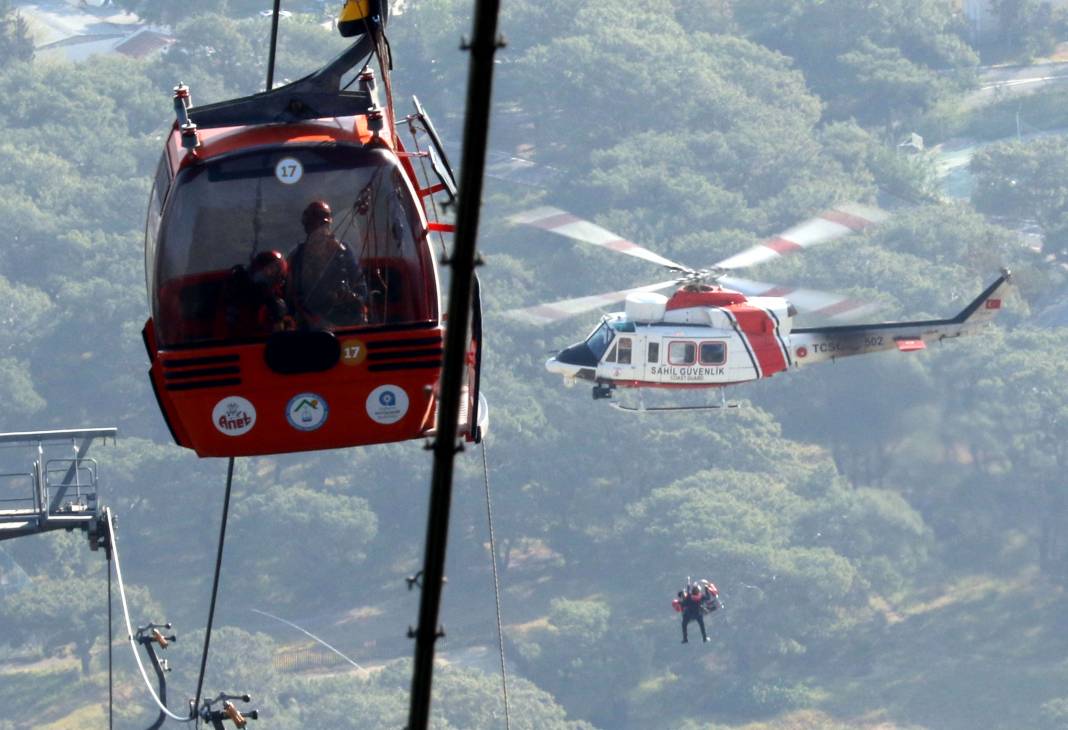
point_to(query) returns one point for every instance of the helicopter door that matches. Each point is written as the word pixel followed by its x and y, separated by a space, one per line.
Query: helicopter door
pixel 624 359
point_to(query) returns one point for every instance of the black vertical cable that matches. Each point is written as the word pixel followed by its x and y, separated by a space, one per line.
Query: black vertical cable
pixel 483 46
pixel 215 583
pixel 496 586
pixel 111 684
pixel 274 43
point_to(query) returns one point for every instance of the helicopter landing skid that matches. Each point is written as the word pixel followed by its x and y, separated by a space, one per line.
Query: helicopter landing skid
pixel 651 409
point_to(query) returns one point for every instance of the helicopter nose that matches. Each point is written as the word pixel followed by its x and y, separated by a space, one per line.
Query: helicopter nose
pixel 578 355
pixel 576 361
pixel 555 365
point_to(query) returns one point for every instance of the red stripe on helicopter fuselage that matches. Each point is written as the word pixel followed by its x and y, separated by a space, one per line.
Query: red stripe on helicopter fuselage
pixel 852 222
pixel 758 327
pixel 782 245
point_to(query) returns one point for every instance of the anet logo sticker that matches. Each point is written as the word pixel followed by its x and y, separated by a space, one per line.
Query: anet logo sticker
pixel 234 416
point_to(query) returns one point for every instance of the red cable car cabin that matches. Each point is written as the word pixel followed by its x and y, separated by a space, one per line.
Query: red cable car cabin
pixel 268 334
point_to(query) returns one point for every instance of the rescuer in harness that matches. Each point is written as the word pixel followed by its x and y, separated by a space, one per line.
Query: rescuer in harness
pixel 327 287
pixel 254 297
pixel 693 603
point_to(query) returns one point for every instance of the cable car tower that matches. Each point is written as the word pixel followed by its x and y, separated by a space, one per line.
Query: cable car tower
pixel 58 491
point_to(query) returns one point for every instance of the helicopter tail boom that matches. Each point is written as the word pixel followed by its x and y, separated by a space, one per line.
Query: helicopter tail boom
pixel 811 345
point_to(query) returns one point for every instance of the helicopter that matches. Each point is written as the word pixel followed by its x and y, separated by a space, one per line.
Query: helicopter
pixel 251 352
pixel 717 329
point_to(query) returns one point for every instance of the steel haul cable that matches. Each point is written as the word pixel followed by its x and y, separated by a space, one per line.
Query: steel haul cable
pixel 129 624
pixel 211 610
pixel 496 585
pixel 215 582
pixel 111 643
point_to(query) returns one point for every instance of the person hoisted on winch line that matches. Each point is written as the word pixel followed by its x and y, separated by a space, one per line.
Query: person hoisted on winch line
pixel 699 598
pixel 688 603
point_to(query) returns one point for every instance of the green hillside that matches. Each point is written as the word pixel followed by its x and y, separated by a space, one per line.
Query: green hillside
pixel 889 533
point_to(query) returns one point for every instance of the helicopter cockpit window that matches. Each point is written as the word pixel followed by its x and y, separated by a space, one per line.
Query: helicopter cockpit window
pixel 611 357
pixel 682 353
pixel 324 237
pixel 623 356
pixel 598 342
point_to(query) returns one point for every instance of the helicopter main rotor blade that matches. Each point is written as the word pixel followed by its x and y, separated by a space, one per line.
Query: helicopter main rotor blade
pixel 563 223
pixel 547 313
pixel 829 225
pixel 807 301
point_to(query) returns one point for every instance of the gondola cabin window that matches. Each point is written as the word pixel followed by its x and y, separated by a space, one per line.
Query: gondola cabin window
pixel 323 237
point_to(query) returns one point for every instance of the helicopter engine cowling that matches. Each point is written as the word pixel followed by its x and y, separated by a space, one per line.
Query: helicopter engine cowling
pixel 704 316
pixel 646 307
pixel 782 309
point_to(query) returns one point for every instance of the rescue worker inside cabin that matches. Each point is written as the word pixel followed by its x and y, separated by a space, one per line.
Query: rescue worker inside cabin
pixel 327 287
pixel 690 606
pixel 254 296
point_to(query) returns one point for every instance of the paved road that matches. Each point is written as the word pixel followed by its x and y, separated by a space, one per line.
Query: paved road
pixel 1001 82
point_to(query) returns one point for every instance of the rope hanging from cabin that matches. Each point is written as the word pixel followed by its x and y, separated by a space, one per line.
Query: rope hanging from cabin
pixel 496 584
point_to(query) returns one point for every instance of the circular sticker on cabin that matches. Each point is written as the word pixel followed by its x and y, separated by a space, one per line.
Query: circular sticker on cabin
pixel 289 170
pixel 387 404
pixel 802 351
pixel 353 351
pixel 306 411
pixel 234 416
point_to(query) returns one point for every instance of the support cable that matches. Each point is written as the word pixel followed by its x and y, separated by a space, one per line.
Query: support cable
pixel 215 582
pixel 274 44
pixel 111 642
pixel 194 710
pixel 313 637
pixel 496 585
pixel 129 624
pixel 483 46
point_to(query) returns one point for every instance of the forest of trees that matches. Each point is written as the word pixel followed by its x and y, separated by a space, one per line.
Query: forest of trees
pixel 889 534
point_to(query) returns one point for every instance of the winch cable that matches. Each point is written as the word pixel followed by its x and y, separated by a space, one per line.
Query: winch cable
pixel 129 625
pixel 215 583
pixel 496 584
